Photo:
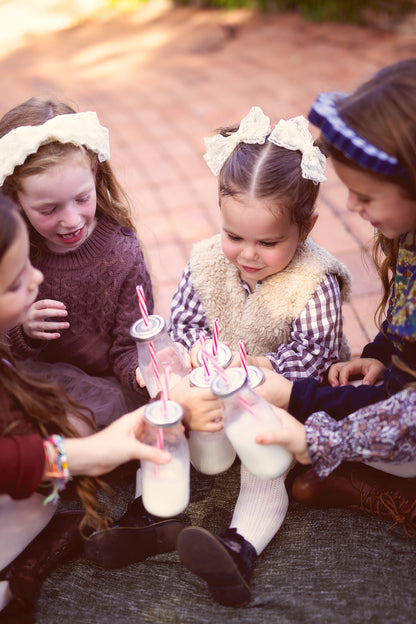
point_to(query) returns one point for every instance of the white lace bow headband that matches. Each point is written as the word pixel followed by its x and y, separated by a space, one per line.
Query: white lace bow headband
pixel 293 134
pixel 76 128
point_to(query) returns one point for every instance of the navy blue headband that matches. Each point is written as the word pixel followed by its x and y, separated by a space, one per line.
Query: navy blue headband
pixel 324 114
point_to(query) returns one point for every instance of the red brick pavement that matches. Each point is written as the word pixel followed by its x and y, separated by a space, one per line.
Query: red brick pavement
pixel 162 78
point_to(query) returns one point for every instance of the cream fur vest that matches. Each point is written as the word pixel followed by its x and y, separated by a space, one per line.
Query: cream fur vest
pixel 263 319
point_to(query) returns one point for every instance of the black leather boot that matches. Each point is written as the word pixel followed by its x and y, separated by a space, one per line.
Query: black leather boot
pixel 225 563
pixel 136 536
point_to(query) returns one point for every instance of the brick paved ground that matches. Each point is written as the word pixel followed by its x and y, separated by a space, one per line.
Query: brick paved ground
pixel 161 78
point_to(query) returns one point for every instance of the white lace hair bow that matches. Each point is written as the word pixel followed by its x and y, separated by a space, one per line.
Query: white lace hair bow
pixel 76 128
pixel 253 128
pixel 293 134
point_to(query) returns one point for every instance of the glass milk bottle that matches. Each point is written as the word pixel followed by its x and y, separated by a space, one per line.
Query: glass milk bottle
pixel 246 414
pixel 210 451
pixel 167 354
pixel 165 488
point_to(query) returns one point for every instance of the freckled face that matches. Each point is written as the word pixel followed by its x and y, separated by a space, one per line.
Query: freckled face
pixel 383 204
pixel 19 281
pixel 256 241
pixel 61 203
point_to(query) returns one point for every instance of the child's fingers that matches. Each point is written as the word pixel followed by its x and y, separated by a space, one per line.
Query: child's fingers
pixel 333 374
pixel 49 305
pixel 139 378
pixel 270 437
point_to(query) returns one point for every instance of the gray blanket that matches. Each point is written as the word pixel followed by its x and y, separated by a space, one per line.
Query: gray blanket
pixel 323 567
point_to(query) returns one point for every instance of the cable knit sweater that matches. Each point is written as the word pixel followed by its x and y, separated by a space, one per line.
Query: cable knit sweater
pixel 97 283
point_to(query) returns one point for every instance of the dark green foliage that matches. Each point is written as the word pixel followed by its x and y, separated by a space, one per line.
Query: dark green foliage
pixel 353 11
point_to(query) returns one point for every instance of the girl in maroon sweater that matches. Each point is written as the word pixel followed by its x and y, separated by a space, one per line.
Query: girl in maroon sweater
pixel 55 164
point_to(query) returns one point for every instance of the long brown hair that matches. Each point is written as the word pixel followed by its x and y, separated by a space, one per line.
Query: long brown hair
pixel 383 111
pixel 111 198
pixel 42 406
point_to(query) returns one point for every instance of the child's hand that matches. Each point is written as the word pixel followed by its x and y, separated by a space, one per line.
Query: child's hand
pixel 118 443
pixel 260 362
pixel 275 388
pixel 139 378
pixel 193 353
pixel 38 324
pixel 202 409
pixel 369 368
pixel 291 435
pixel 184 353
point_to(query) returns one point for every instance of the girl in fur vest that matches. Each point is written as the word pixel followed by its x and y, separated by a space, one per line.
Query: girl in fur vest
pixel 270 285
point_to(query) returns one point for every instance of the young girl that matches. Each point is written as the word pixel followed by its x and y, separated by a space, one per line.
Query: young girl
pixel 271 286
pixel 54 163
pixel 371 137
pixel 34 416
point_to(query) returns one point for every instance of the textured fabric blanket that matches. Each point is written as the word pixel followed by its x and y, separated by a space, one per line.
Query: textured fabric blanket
pixel 323 566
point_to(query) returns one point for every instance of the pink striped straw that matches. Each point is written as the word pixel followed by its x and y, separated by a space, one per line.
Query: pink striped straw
pixel 160 442
pixel 215 337
pixel 165 390
pixel 243 355
pixel 155 364
pixel 202 340
pixel 221 372
pixel 160 438
pixel 203 343
pixel 246 405
pixel 142 304
pixel 218 369
pixel 205 362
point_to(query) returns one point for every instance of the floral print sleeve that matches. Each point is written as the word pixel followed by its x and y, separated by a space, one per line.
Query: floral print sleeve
pixel 385 431
pixel 401 314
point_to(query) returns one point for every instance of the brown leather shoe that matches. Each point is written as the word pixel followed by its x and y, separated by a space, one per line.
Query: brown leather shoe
pixel 357 486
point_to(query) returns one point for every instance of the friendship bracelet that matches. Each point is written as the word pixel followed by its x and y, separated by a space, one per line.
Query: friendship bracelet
pixel 56 466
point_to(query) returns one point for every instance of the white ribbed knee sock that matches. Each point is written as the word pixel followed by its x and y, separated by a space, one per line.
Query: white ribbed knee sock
pixel 260 509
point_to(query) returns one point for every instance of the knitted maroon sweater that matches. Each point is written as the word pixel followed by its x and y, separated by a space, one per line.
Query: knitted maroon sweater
pixel 97 283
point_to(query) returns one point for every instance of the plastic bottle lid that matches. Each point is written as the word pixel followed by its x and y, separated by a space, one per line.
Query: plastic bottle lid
pixel 223 357
pixel 255 376
pixel 141 333
pixel 199 379
pixel 155 414
pixel 236 378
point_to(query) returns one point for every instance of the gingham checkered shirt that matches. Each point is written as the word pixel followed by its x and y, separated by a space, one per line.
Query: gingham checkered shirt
pixel 315 338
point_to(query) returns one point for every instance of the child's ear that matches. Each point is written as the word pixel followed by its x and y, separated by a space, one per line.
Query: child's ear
pixel 308 226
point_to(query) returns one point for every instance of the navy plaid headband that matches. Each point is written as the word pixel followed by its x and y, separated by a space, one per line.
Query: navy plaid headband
pixel 324 114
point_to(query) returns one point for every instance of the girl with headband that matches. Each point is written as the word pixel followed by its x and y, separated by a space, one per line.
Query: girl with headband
pixel 271 286
pixel 41 448
pixel 54 163
pixel 371 138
